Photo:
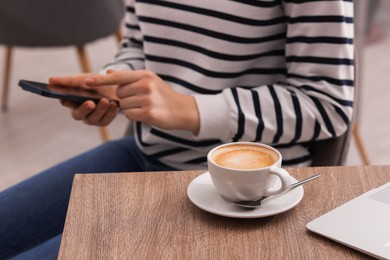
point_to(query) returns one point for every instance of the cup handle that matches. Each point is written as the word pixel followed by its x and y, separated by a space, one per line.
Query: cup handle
pixel 284 177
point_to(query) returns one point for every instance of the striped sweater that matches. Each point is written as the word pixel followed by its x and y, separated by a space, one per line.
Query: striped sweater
pixel 278 72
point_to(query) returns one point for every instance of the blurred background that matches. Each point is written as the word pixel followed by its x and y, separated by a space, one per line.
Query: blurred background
pixel 36 133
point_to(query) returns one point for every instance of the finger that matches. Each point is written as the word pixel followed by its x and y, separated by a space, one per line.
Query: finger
pixel 68 104
pixel 140 87
pixel 109 115
pixel 82 111
pixel 101 109
pixel 114 78
pixel 71 81
pixel 136 114
pixel 135 102
pixel 125 91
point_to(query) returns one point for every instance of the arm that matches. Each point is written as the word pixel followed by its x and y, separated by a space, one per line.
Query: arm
pixel 315 99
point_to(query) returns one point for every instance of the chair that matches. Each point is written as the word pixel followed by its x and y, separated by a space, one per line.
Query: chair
pixel 333 152
pixel 45 23
pixel 362 13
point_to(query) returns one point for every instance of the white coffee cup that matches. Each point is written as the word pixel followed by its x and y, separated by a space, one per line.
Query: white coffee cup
pixel 247 170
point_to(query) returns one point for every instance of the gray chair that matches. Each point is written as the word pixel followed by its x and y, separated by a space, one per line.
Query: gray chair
pixel 364 12
pixel 54 23
pixel 331 152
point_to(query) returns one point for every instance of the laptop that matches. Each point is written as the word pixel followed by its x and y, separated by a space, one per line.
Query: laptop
pixel 362 223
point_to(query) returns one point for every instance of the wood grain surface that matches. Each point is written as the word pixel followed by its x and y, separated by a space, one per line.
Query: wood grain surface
pixel 149 216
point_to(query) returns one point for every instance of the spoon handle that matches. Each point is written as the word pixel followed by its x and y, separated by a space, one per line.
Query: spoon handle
pixel 296 184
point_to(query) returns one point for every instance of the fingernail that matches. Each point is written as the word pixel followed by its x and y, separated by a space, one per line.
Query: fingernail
pixel 103 105
pixel 90 80
pixel 88 107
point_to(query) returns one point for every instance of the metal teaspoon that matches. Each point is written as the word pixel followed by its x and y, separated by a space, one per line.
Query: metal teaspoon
pixel 257 203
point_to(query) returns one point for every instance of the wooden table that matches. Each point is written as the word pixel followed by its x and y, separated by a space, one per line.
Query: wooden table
pixel 149 216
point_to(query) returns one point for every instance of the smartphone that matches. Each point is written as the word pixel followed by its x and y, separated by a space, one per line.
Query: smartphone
pixel 74 94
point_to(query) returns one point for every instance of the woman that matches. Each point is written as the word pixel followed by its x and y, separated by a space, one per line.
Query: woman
pixel 191 76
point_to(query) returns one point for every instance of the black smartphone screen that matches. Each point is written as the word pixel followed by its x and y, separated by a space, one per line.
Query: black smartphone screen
pixel 74 94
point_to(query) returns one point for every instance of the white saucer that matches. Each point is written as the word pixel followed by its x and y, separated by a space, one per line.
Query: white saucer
pixel 203 194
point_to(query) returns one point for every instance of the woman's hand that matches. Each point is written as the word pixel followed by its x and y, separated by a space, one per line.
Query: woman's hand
pixel 100 114
pixel 145 97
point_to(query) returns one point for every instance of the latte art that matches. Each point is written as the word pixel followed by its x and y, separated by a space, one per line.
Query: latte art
pixel 244 157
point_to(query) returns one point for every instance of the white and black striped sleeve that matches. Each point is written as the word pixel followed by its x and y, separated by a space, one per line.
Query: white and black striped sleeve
pixel 313 101
pixel 131 55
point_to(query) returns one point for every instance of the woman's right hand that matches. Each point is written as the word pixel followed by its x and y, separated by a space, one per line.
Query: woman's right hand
pixel 100 114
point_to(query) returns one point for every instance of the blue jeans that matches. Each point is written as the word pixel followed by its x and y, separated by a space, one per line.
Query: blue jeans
pixel 32 213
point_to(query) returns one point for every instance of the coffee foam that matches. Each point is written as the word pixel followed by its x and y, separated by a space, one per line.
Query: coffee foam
pixel 244 157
